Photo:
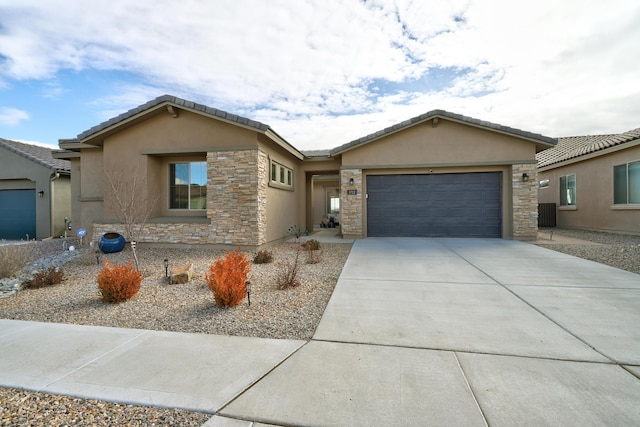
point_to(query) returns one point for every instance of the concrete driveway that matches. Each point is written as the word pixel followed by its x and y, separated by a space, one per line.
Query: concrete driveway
pixel 462 332
pixel 418 332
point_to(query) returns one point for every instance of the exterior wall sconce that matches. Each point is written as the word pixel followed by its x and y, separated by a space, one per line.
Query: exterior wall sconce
pixel 525 177
pixel 350 181
pixel 41 193
pixel 248 284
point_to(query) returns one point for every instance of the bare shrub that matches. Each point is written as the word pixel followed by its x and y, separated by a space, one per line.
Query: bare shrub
pixel 131 201
pixel 312 256
pixel 287 274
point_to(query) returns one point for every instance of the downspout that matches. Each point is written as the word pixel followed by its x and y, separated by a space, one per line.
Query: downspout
pixel 53 177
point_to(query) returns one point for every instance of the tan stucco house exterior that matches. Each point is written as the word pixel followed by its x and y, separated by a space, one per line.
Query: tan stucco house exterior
pixel 222 179
pixel 35 192
pixel 594 181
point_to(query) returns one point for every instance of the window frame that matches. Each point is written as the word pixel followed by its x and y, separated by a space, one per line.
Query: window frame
pixel 280 176
pixel 188 186
pixel 564 201
pixel 627 187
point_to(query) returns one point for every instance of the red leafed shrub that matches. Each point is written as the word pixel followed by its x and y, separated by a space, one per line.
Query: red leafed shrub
pixel 227 278
pixel 118 283
pixel 49 277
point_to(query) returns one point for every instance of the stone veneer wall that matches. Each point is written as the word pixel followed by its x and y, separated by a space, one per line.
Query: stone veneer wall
pixel 525 201
pixel 236 205
pixel 350 205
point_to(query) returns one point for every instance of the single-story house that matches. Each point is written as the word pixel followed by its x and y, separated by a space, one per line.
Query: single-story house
pixel 35 192
pixel 210 177
pixel 594 181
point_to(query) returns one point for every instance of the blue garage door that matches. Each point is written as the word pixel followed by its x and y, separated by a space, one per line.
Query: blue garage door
pixel 435 205
pixel 17 214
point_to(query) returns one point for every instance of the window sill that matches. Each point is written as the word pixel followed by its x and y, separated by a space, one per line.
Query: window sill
pixel 568 208
pixel 162 220
pixel 280 186
pixel 625 207
pixel 179 220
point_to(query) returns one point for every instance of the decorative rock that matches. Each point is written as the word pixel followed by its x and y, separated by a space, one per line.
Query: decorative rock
pixel 182 274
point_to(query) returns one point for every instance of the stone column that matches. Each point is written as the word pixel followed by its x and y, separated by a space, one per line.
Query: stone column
pixel 351 204
pixel 525 201
pixel 233 202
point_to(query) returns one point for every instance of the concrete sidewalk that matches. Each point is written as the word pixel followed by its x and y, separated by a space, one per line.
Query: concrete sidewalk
pixel 417 332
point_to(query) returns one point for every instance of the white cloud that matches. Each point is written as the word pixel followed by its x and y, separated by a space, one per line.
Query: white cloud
pixel 12 116
pixel 308 68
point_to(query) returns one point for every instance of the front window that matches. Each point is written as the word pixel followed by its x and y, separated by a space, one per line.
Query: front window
pixel 281 176
pixel 568 190
pixel 188 185
pixel 626 183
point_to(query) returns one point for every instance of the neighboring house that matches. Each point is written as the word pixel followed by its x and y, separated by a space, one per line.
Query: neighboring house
pixel 35 192
pixel 223 179
pixel 594 181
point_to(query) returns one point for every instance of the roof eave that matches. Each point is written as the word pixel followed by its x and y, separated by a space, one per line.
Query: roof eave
pixel 271 134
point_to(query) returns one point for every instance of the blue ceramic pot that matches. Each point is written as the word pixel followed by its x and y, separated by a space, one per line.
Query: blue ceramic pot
pixel 111 242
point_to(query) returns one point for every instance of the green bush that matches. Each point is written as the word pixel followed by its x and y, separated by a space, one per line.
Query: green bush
pixel 263 257
pixel 49 277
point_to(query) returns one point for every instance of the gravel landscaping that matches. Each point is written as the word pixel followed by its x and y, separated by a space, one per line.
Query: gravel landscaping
pixel 287 314
pixel 273 313
pixel 617 250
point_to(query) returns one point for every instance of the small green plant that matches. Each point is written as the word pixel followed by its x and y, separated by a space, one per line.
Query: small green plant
pixel 297 231
pixel 118 283
pixel 13 258
pixel 263 257
pixel 287 274
pixel 49 277
pixel 227 278
pixel 311 245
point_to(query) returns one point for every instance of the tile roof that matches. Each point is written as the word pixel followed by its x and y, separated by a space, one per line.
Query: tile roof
pixel 179 102
pixel 37 154
pixel 573 147
pixel 317 153
pixel 444 114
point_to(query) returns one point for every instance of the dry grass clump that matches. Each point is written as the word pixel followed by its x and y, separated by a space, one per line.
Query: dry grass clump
pixel 13 259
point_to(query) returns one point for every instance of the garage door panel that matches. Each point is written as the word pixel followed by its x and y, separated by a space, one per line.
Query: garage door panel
pixel 441 205
pixel 17 214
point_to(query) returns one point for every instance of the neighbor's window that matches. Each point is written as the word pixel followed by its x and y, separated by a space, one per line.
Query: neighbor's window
pixel 568 190
pixel 188 185
pixel 626 183
pixel 281 175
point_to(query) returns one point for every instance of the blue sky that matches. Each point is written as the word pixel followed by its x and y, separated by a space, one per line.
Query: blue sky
pixel 322 73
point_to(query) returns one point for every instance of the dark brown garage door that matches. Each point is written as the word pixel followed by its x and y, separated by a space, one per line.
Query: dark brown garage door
pixel 435 205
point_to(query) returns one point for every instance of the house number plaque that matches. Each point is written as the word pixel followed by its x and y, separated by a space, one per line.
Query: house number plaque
pixel 352 192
